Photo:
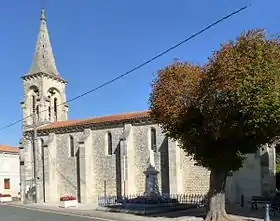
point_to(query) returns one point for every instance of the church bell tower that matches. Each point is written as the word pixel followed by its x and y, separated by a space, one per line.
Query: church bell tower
pixel 44 89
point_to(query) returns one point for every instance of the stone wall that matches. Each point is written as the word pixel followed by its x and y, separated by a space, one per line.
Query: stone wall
pixel 246 181
pixel 107 168
pixel 43 84
pixel 171 162
pixel 26 170
pixel 195 178
pixel 66 164
pixel 103 173
pixel 142 146
pixel 255 178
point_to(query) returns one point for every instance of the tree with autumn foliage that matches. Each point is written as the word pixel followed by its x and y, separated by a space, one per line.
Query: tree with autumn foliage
pixel 224 110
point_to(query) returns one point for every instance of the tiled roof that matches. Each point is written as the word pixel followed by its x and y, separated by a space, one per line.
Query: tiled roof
pixel 6 148
pixel 98 120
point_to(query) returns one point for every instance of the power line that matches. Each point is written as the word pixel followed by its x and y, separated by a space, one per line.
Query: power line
pixel 139 66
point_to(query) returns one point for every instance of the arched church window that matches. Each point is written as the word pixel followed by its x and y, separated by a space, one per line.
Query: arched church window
pixel 72 147
pixel 55 108
pixel 110 144
pixel 153 139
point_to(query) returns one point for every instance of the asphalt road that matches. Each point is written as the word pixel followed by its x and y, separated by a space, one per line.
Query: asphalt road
pixel 8 213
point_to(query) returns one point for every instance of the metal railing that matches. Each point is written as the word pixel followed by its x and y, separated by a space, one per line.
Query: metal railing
pixel 171 199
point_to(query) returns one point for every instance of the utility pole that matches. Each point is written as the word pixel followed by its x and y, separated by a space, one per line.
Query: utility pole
pixel 35 149
pixel 124 167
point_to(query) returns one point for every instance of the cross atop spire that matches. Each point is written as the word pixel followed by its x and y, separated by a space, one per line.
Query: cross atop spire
pixel 43 14
pixel 43 59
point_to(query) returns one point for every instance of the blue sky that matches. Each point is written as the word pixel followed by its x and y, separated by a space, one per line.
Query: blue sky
pixel 94 41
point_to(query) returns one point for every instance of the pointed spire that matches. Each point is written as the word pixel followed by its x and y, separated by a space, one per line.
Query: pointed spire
pixel 43 59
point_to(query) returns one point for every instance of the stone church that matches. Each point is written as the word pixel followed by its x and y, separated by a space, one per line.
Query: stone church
pixel 108 155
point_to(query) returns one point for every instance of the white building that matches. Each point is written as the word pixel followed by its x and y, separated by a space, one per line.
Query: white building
pixel 9 170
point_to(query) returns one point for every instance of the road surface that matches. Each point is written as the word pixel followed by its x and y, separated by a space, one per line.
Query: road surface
pixel 9 213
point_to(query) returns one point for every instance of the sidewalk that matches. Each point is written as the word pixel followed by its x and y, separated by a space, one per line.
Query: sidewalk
pixel 88 210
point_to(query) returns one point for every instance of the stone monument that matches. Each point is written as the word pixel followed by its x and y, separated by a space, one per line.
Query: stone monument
pixel 151 181
pixel 151 173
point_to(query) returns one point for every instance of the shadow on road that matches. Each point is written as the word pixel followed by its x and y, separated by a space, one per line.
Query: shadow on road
pixel 232 210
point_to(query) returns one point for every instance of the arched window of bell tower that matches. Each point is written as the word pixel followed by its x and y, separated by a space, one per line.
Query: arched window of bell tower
pixel 54 104
pixel 55 108
pixel 32 101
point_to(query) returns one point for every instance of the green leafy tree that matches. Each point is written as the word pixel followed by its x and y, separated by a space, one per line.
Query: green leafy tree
pixel 224 110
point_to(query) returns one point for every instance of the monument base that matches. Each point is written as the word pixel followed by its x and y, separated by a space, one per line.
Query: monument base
pixel 151 181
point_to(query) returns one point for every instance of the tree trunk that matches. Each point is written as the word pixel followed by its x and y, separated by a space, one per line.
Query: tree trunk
pixel 216 210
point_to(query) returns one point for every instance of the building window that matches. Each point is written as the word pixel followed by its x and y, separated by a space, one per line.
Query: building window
pixel 6 184
pixel 72 148
pixel 109 143
pixel 21 163
pixel 55 108
pixel 153 140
